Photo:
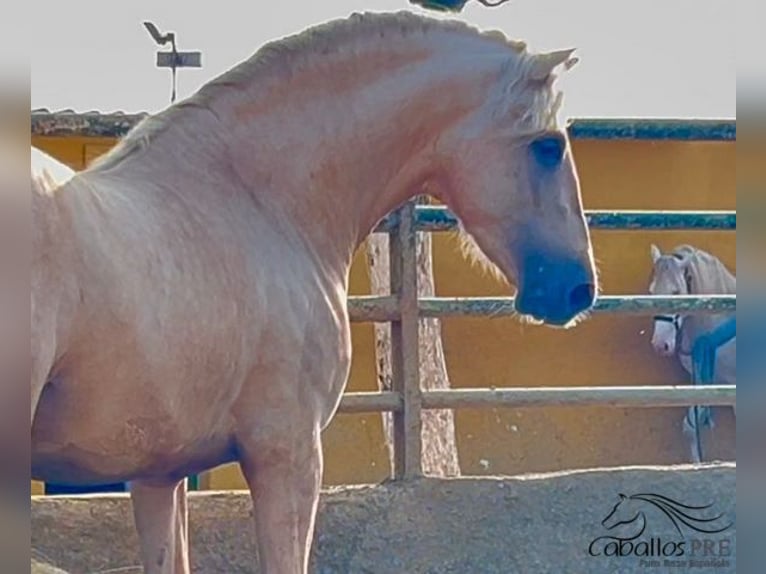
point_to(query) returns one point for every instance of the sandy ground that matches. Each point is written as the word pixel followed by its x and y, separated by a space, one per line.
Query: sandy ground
pixel 530 524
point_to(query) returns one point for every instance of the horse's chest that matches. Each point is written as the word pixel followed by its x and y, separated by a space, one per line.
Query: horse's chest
pixel 322 351
pixel 304 351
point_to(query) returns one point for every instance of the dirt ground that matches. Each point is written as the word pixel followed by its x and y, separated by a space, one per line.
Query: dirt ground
pixel 530 524
pixel 41 567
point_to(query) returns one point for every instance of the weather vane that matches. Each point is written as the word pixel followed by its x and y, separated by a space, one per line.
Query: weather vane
pixel 173 59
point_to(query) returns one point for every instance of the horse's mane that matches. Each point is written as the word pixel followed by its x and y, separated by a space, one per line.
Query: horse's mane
pixel 283 57
pixel 706 271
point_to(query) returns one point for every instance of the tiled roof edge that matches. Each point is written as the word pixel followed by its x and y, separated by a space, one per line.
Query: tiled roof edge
pixel 117 124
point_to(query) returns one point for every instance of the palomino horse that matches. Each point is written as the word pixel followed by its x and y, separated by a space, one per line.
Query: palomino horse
pixel 691 271
pixel 190 287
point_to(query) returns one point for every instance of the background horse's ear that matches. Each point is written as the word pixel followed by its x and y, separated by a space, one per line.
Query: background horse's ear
pixel 544 64
pixel 656 253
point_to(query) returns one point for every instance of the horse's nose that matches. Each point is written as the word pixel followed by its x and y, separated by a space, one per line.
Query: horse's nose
pixel 663 347
pixel 555 291
pixel 582 297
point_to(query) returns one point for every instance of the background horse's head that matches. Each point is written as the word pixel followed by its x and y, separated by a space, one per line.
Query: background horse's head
pixel 684 271
pixel 670 276
pixel 514 185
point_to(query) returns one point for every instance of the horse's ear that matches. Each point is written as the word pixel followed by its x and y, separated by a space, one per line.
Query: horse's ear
pixel 543 65
pixel 656 253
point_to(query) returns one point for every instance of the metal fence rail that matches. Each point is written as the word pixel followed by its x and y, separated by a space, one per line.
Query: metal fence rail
pixel 386 308
pixel 438 218
pixel 403 308
pixel 49 123
pixel 647 396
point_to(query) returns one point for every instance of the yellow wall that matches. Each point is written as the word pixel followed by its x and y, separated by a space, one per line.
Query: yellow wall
pixel 606 350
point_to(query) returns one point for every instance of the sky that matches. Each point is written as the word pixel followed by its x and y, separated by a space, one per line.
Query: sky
pixel 638 58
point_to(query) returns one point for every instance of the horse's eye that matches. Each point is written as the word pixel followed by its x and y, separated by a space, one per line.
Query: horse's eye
pixel 548 150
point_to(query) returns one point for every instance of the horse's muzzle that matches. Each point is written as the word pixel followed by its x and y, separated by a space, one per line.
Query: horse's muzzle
pixel 555 291
pixel 664 348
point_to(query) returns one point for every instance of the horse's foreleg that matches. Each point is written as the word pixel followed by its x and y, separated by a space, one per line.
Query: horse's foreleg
pixel 284 476
pixel 161 519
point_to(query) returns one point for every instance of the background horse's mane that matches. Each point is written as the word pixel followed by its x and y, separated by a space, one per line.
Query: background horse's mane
pixel 282 58
pixel 706 273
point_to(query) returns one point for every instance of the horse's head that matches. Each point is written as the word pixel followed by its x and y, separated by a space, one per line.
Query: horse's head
pixel 624 512
pixel 670 276
pixel 514 185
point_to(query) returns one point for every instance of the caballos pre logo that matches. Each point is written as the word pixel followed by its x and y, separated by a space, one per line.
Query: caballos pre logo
pixel 697 540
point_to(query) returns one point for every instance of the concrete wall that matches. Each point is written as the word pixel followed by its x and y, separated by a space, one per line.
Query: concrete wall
pixel 607 350
pixel 491 525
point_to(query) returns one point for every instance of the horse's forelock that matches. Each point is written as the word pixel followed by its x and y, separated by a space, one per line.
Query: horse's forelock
pixel 529 105
pixel 676 261
pixel 666 264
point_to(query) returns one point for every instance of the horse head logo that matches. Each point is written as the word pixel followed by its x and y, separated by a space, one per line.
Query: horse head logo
pixel 631 510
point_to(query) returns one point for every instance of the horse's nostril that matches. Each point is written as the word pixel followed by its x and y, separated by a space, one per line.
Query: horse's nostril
pixel 582 296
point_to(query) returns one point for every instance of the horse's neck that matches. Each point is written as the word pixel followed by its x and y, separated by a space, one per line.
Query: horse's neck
pixel 712 277
pixel 725 281
pixel 326 145
pixel 730 282
pixel 339 145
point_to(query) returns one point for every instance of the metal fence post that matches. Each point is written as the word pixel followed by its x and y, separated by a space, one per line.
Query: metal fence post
pixel 405 347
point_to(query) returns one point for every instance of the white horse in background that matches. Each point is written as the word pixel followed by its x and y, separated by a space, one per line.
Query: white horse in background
pixel 688 270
